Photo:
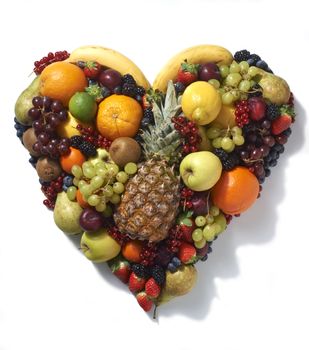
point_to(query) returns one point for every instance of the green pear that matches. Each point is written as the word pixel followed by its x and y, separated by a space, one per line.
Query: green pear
pixel 178 283
pixel 99 246
pixel 66 214
pixel 24 102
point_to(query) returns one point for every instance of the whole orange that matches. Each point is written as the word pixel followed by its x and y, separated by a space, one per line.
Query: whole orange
pixel 235 191
pixel 60 80
pixel 132 251
pixel 75 157
pixel 119 115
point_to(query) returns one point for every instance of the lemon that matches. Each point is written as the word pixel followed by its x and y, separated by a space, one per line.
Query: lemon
pixel 226 117
pixel 69 127
pixel 201 102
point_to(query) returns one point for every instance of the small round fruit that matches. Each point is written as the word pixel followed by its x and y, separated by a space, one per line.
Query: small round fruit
pixel 110 78
pixel 83 107
pixel 200 221
pixel 90 220
pixel 132 251
pixel 75 157
pixel 29 139
pixel 124 150
pixel 48 169
pixel 130 168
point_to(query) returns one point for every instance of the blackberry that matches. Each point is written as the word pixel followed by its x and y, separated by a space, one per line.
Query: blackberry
pixel 140 90
pixel 141 271
pixel 179 87
pixel 129 89
pixel 138 138
pixel 229 160
pixel 158 273
pixel 88 149
pixel 242 55
pixel 149 114
pixel 128 79
pixel 76 141
pixel 255 58
pixel 272 112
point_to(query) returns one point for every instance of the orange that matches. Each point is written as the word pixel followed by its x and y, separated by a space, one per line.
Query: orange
pixel 60 80
pixel 119 115
pixel 80 200
pixel 235 191
pixel 132 251
pixel 74 157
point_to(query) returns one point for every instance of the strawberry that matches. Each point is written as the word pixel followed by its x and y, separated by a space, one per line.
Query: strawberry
pixel 121 269
pixel 187 226
pixel 136 284
pixel 280 124
pixel 152 288
pixel 92 69
pixel 187 253
pixel 187 73
pixel 144 301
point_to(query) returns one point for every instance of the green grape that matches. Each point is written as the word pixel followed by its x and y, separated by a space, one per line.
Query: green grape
pixel 115 198
pixel 130 168
pixel 101 207
pixel 233 79
pixel 215 83
pixel 209 219
pixel 252 83
pixel 94 200
pixel 122 177
pixel 200 244
pixel 236 95
pixel 77 171
pixel 244 66
pixel 253 71
pixel 197 234
pixel 108 212
pixel 108 191
pixel 100 165
pixel 200 221
pixel 97 182
pixel 217 228
pixel 209 232
pixel 71 193
pixel 76 181
pixel 112 169
pixel 221 221
pixel 221 91
pixel 234 67
pixel 86 191
pixel 214 211
pixel 82 183
pixel 244 85
pixel 118 187
pixel 89 172
pixel 86 165
pixel 102 172
pixel 238 140
pixel 213 133
pixel 226 143
pixel 224 71
pixel 236 130
pixel 217 142
pixel 227 98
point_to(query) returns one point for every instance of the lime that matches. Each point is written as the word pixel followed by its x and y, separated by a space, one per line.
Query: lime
pixel 83 107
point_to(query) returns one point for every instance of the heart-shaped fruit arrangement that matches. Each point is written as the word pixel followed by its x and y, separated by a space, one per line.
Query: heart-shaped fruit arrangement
pixel 150 177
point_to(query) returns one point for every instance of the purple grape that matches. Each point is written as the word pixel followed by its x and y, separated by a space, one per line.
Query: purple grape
pixel 43 138
pixel 34 113
pixel 256 154
pixel 37 102
pixel 36 147
pixel 47 101
pixel 49 129
pixel 63 148
pixel 259 170
pixel 269 140
pixel 63 115
pixel 244 155
pixel 56 106
pixel 38 126
pixel 54 120
pixel 265 150
pixel 265 124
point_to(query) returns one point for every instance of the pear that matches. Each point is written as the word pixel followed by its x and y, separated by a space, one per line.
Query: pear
pixel 66 214
pixel 274 88
pixel 24 102
pixel 178 283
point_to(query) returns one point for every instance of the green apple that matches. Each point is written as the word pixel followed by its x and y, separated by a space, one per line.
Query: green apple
pixel 200 170
pixel 99 246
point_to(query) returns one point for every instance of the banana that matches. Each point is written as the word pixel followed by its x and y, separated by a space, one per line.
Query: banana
pixel 196 54
pixel 111 59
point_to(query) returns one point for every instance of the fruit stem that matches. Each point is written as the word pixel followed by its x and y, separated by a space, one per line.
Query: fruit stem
pixel 154 315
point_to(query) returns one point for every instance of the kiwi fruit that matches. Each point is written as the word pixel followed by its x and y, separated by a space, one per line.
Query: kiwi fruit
pixel 48 169
pixel 124 150
pixel 29 139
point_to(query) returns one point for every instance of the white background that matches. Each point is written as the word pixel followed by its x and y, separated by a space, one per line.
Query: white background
pixel 253 291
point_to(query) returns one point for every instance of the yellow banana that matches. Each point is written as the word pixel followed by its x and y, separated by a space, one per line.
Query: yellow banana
pixel 111 59
pixel 196 54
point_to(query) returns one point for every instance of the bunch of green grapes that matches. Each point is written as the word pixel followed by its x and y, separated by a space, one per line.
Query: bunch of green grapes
pixel 100 183
pixel 237 81
pixel 208 227
pixel 226 139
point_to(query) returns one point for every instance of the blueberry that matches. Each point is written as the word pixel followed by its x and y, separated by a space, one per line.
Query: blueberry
pixel 32 160
pixel 269 70
pixel 43 183
pixel 176 261
pixel 17 126
pixel 105 92
pixel 209 249
pixel 64 187
pixel 15 120
pixel 139 98
pixel 204 258
pixel 92 82
pixel 267 172
pixel 68 181
pixel 117 90
pixel 250 61
pixel 179 87
pixel 261 64
pixel 171 267
pixel 273 163
pixel 19 133
pixel 261 180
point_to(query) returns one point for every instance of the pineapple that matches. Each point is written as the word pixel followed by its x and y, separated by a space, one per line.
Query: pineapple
pixel 150 203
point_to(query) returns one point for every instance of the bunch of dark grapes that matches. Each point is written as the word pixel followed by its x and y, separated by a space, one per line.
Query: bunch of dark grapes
pixel 47 114
pixel 47 60
pixel 189 134
pixel 51 190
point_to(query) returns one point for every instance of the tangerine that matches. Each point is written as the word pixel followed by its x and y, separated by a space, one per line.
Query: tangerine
pixel 132 251
pixel 119 115
pixel 235 191
pixel 74 157
pixel 61 80
pixel 80 200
